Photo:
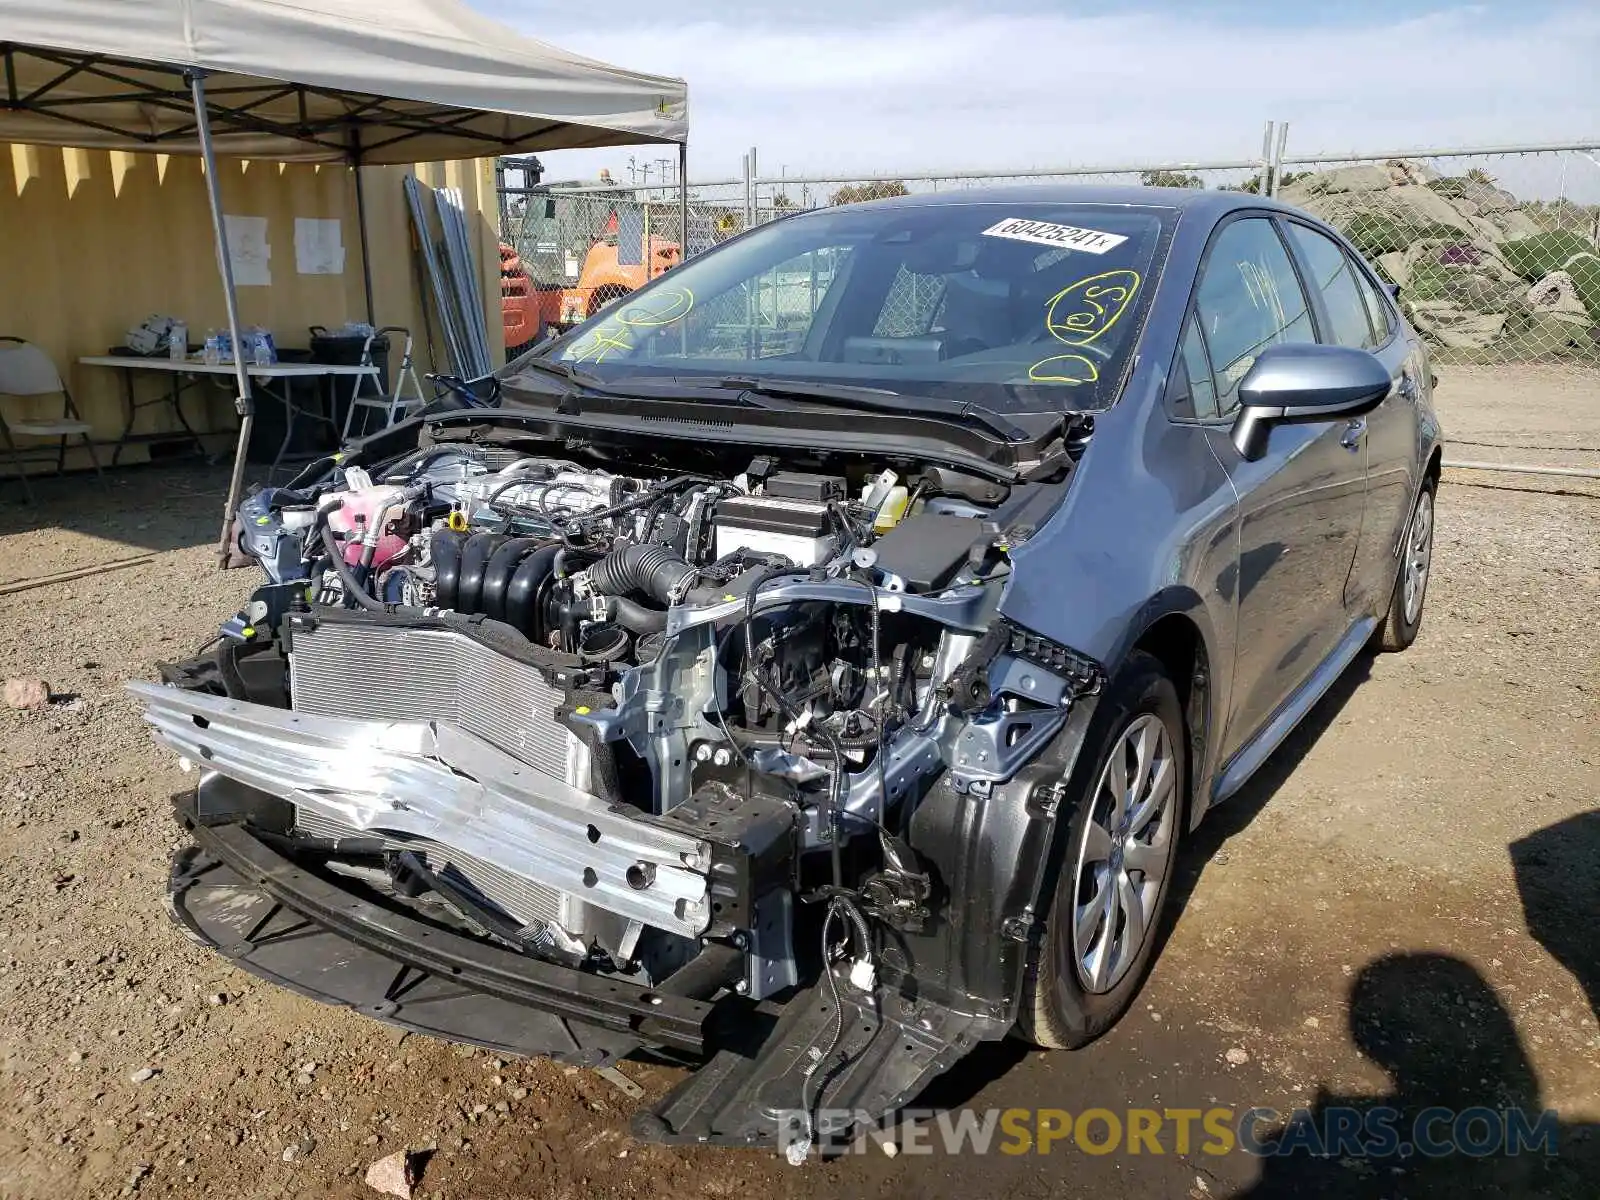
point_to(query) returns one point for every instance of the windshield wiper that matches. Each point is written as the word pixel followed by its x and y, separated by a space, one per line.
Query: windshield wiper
pixel 880 400
pixel 567 371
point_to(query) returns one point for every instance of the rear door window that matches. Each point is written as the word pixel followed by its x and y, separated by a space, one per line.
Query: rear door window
pixel 1336 278
pixel 1377 309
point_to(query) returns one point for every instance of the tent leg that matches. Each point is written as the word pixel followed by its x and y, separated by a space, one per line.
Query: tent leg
pixel 361 228
pixel 243 403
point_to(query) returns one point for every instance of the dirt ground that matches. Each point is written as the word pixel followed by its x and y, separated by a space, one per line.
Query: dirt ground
pixel 1403 907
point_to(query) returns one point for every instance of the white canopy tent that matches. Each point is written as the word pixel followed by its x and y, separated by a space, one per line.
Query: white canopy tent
pixel 363 82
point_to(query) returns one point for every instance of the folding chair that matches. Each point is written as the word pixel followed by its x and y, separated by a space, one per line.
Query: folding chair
pixel 398 404
pixel 26 370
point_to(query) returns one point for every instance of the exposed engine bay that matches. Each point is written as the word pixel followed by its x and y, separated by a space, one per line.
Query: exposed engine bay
pixel 680 730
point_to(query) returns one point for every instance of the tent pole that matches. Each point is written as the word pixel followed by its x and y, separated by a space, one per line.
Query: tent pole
pixel 243 402
pixel 361 221
pixel 683 202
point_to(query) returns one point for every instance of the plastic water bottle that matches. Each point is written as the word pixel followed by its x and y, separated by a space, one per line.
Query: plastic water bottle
pixel 212 354
pixel 178 341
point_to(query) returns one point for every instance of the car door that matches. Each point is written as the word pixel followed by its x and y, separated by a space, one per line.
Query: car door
pixel 1354 313
pixel 1300 503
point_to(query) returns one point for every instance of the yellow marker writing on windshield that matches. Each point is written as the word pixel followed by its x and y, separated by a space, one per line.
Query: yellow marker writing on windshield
pixel 1079 314
pixel 600 343
pixel 1064 368
pixel 1076 316
pixel 664 307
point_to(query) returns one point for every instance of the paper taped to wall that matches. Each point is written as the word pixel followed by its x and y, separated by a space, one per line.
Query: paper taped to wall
pixel 248 248
pixel 318 246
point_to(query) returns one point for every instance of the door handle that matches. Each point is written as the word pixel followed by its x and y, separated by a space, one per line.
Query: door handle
pixel 1350 439
pixel 1407 387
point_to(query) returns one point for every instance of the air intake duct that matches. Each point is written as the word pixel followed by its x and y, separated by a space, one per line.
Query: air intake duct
pixel 655 571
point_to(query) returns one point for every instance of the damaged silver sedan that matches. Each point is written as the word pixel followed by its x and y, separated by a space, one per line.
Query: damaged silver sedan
pixel 807 668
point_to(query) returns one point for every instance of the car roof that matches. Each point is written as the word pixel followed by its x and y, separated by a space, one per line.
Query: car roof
pixel 1201 201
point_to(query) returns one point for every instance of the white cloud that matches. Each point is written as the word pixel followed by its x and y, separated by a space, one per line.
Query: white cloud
pixel 962 88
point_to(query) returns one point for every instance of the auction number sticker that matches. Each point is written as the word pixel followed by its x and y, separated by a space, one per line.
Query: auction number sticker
pixel 1067 237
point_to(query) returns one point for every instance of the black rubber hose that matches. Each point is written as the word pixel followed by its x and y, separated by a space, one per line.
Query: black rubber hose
pixel 475 558
pixel 522 594
pixel 444 551
pixel 657 571
pixel 352 586
pixel 498 574
pixel 630 614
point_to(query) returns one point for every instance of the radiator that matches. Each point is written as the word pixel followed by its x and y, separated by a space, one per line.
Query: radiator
pixel 376 673
pixel 513 895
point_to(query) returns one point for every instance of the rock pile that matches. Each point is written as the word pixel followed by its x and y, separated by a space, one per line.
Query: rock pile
pixel 1480 276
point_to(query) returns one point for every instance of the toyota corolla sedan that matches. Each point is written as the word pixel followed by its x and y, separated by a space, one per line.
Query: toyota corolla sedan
pixel 809 667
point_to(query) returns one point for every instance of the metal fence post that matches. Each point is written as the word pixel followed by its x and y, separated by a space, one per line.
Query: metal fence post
pixel 755 191
pixel 1277 158
pixel 1265 186
pixel 747 189
pixel 683 202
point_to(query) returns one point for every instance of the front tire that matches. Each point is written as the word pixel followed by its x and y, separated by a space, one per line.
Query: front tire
pixel 1404 618
pixel 1124 808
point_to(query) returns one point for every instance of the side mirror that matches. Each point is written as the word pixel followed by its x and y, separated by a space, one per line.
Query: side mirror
pixel 1305 382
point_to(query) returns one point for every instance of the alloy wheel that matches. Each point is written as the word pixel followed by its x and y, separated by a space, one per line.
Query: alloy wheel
pixel 1123 856
pixel 1419 556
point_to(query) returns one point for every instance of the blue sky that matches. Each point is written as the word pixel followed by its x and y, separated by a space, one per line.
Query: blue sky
pixel 883 85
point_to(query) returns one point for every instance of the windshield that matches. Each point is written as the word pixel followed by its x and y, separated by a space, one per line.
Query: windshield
pixel 1013 306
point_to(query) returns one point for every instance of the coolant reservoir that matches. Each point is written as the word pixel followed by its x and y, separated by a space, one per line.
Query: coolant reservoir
pixel 360 508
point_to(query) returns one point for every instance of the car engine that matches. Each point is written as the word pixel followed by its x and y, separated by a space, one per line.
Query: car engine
pixel 610 717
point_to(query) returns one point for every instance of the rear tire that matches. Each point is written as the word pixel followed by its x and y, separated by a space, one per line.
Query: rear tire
pixel 1404 617
pixel 1117 862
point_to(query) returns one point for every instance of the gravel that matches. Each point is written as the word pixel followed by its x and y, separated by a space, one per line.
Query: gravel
pixel 1384 829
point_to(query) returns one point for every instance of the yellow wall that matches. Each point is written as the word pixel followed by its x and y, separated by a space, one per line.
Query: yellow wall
pixel 92 242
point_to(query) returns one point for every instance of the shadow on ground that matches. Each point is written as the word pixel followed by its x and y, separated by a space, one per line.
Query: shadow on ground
pixel 1558 878
pixel 145 509
pixel 1463 1107
pixel 1459 1073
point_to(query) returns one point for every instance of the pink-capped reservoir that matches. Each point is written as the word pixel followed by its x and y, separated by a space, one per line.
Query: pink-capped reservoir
pixel 357 513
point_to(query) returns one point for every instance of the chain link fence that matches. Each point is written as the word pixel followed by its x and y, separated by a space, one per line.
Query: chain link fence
pixel 1496 264
pixel 569 252
pixel 1496 252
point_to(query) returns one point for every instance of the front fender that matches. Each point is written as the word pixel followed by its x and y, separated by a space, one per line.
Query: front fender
pixel 992 854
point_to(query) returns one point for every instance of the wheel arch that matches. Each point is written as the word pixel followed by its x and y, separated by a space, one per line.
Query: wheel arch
pixel 1175 632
